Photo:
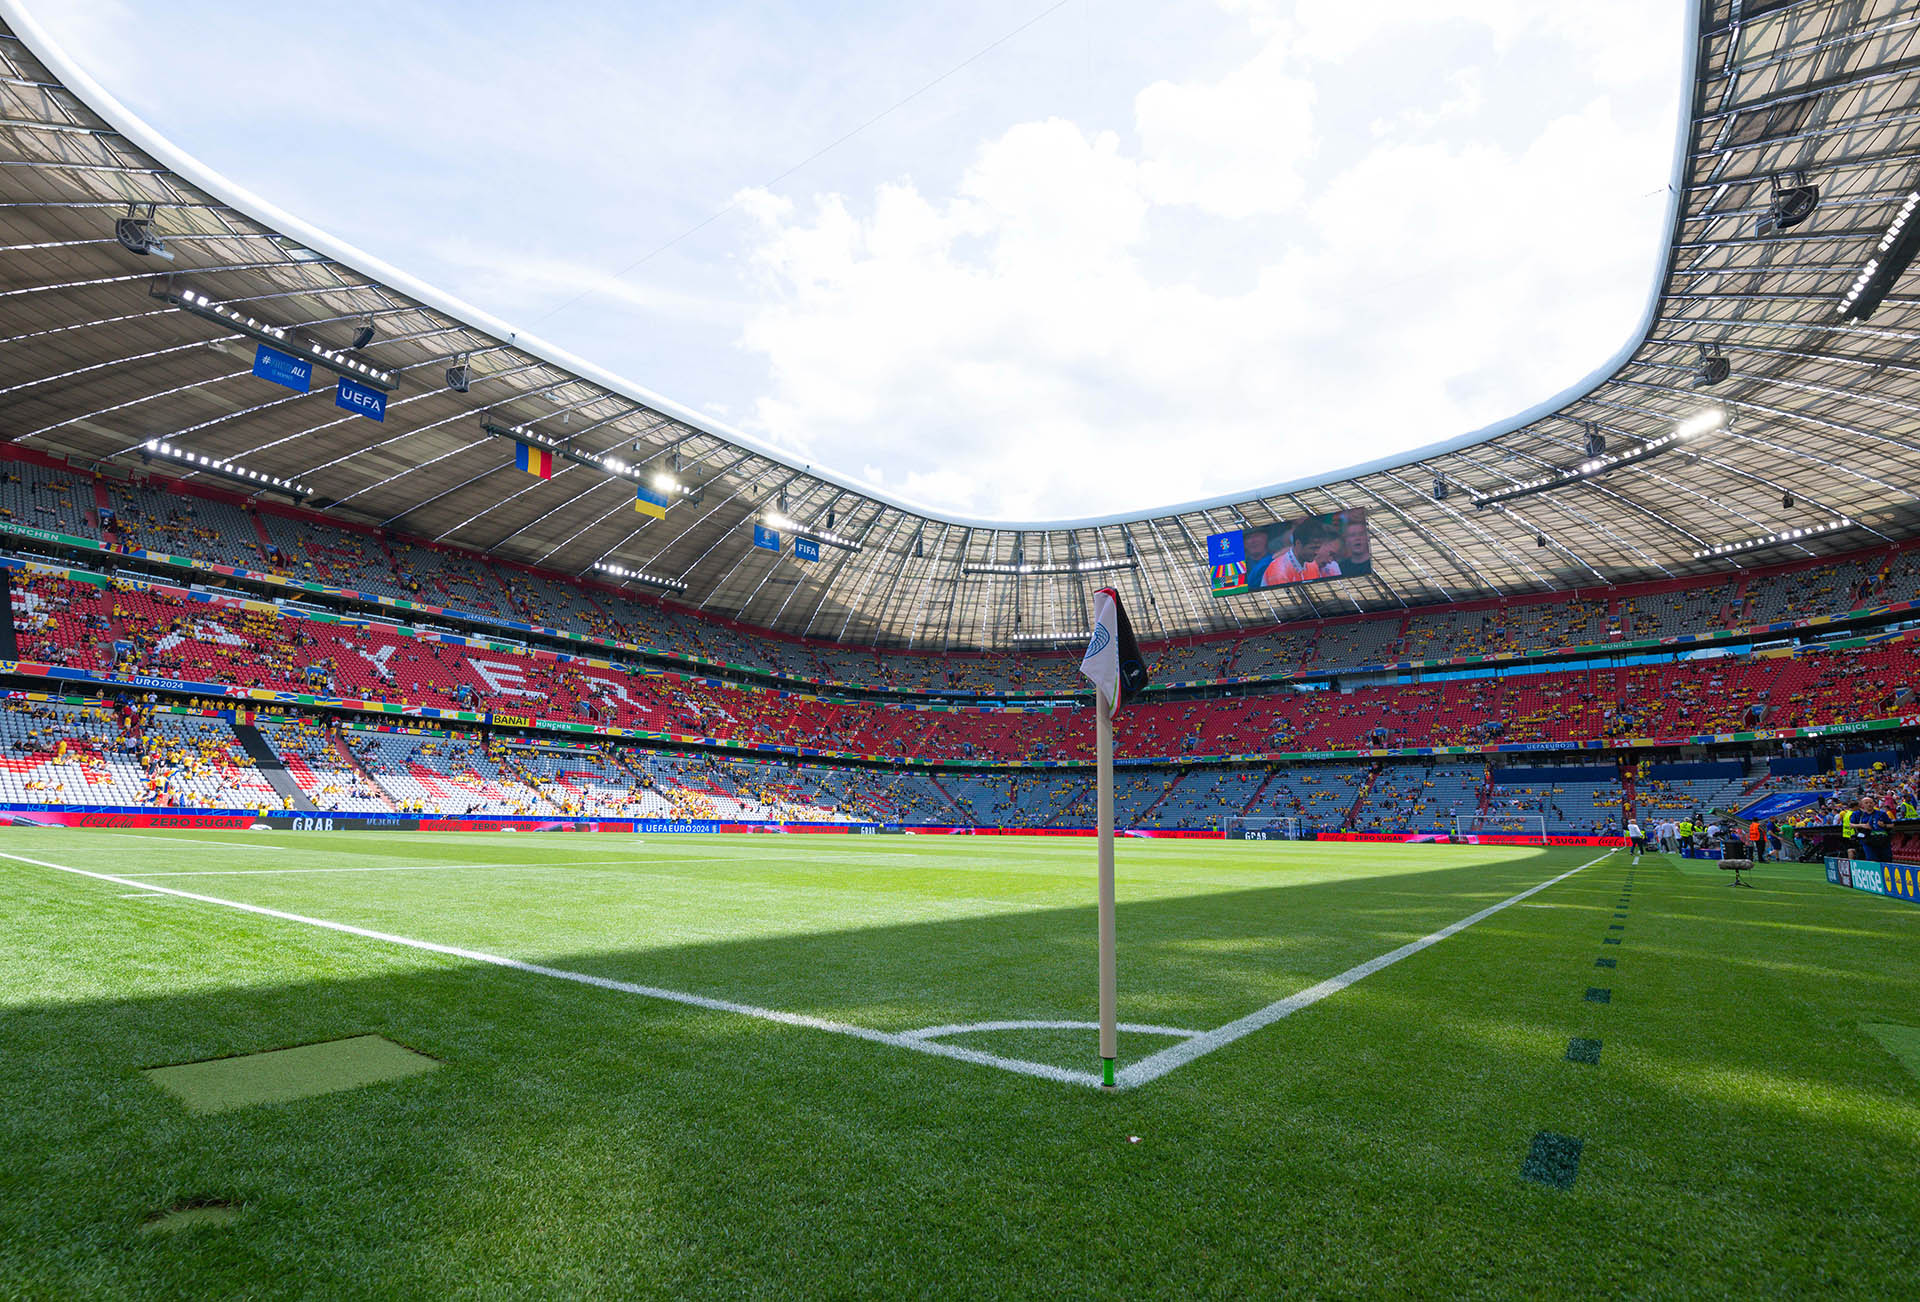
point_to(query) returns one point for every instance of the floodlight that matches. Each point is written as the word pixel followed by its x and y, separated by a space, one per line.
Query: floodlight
pixel 1702 422
pixel 1792 204
pixel 135 233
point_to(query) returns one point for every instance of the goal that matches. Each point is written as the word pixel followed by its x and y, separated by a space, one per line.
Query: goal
pixel 1242 827
pixel 1530 828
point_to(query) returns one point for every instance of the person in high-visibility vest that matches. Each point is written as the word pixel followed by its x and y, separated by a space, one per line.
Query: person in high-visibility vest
pixel 1908 810
pixel 1757 838
pixel 1686 838
pixel 1852 824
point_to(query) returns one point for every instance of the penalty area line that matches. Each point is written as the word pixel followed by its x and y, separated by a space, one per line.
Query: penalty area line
pixel 1179 1055
pixel 935 1048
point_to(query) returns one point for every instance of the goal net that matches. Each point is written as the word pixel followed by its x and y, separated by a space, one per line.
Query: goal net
pixel 1243 827
pixel 1530 828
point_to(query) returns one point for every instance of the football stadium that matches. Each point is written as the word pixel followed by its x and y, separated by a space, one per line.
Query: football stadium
pixel 475 826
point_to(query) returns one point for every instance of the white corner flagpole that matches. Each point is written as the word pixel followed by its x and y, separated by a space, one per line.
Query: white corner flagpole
pixel 1109 977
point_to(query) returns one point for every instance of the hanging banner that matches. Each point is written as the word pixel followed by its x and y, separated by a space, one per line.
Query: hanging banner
pixel 282 368
pixel 360 399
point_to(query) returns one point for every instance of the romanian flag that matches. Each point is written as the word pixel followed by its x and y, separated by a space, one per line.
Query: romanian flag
pixel 533 461
pixel 648 501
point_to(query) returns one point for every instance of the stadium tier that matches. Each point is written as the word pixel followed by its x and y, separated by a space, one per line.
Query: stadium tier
pixel 130 631
pixel 193 529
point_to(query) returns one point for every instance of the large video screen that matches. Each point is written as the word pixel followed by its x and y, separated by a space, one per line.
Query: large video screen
pixel 1308 550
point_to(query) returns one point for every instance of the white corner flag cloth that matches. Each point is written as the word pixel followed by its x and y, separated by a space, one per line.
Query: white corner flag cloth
pixel 1101 664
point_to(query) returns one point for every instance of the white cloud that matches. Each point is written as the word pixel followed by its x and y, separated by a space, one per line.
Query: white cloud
pixel 1232 147
pixel 1034 343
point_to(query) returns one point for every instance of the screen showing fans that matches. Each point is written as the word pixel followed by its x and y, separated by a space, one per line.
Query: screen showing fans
pixel 1306 550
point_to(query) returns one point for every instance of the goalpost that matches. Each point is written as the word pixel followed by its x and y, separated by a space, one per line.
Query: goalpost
pixel 1260 827
pixel 1529 827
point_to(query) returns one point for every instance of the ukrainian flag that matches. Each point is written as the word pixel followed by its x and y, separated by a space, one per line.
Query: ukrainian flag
pixel 532 460
pixel 648 501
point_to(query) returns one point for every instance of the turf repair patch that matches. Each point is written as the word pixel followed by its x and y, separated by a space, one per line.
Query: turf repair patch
pixel 190 1215
pixel 1903 1042
pixel 1606 962
pixel 1582 1050
pixel 1595 995
pixel 1552 1160
pixel 280 1075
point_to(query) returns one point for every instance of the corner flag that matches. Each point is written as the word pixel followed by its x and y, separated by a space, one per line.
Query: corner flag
pixel 1114 666
pixel 1113 663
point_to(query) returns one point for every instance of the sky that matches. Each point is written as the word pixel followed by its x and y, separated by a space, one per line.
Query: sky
pixel 1008 259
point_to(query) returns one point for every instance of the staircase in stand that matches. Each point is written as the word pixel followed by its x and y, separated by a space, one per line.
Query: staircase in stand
pixel 956 806
pixel 1360 796
pixel 1254 800
pixel 268 762
pixel 351 762
pixel 1141 819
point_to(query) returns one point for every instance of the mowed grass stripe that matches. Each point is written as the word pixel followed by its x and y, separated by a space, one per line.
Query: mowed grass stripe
pixel 899 934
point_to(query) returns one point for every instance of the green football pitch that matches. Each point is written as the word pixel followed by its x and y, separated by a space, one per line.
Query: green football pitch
pixel 570 1065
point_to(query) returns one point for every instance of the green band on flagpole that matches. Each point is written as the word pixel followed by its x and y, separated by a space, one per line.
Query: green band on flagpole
pixel 1107 1067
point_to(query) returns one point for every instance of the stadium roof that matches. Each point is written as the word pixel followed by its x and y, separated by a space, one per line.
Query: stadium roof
pixel 1823 411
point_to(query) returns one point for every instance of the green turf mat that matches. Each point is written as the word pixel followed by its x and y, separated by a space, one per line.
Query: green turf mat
pixel 282 1074
pixel 1903 1042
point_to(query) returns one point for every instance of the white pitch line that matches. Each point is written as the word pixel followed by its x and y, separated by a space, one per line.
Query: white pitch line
pixel 1140 1073
pixel 899 1041
pixel 964 1028
pixel 1179 1055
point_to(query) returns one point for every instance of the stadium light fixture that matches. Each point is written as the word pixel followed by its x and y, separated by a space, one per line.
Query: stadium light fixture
pixel 363 336
pixel 1701 422
pixel 1054 567
pixel 779 522
pixel 135 233
pixel 218 466
pixel 1885 265
pixel 1785 538
pixel 459 375
pixel 606 462
pixel 626 575
pixel 1712 369
pixel 276 336
pixel 1055 639
pixel 1791 204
